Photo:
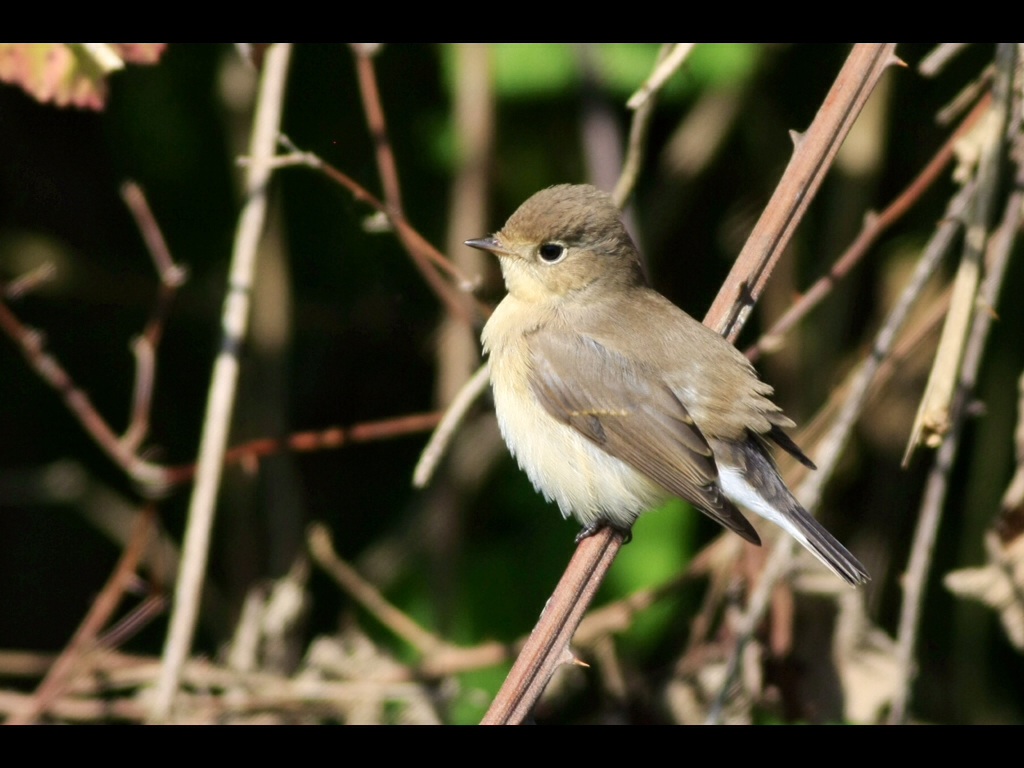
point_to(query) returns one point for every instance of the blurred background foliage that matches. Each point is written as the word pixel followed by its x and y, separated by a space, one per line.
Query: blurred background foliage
pixel 345 331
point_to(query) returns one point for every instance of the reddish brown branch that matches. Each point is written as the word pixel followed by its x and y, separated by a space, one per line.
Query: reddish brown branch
pixel 33 348
pixel 103 607
pixel 122 450
pixel 319 440
pixel 156 478
pixel 144 347
pixel 812 157
pixel 170 273
pixel 548 645
pixel 367 76
pixel 424 255
pixel 873 228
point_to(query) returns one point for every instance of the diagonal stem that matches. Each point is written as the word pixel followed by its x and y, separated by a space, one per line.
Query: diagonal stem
pixel 221 401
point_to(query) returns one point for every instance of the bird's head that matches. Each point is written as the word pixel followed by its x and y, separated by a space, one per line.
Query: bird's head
pixel 562 240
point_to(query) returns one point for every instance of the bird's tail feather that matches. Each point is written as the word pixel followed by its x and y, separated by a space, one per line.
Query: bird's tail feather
pixel 749 478
pixel 823 545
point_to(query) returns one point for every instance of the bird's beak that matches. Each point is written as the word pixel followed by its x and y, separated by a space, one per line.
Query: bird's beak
pixel 491 244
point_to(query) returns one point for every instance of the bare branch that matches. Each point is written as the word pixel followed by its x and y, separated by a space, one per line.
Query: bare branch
pixel 874 227
pixel 668 62
pixel 436 447
pixel 322 550
pixel 49 369
pixel 144 347
pixel 28 282
pixel 669 59
pixel 171 274
pixel 934 62
pixel 318 440
pixel 378 126
pixel 424 255
pixel 220 404
pixel 813 156
pixel 99 614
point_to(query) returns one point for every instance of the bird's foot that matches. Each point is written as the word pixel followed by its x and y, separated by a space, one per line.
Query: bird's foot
pixel 591 528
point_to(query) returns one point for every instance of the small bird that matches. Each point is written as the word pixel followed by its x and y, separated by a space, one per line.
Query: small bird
pixel 612 399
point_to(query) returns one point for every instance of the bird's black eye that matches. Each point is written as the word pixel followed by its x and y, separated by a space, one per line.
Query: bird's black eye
pixel 552 252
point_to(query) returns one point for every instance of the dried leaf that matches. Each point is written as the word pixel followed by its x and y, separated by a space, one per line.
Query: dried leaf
pixel 866 659
pixel 70 75
pixel 863 655
pixel 999 584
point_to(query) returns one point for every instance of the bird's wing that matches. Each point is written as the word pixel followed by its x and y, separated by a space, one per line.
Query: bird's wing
pixel 630 413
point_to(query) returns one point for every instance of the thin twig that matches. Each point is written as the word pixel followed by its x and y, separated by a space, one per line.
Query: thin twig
pixel 220 405
pixel 144 347
pixel 375 121
pixel 317 440
pixel 445 430
pixel 32 344
pixel 977 89
pixel 642 114
pixel 122 450
pixel 874 227
pixel 939 56
pixel 439 657
pixel 322 549
pixel 103 607
pixel 170 273
pixel 28 282
pixel 618 616
pixel 134 622
pixel 424 255
pixel 668 62
pixel 296 156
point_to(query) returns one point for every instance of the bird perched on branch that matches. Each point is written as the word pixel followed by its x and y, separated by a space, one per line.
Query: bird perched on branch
pixel 613 399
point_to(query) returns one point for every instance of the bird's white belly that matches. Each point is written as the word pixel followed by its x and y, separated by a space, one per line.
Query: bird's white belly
pixel 567 468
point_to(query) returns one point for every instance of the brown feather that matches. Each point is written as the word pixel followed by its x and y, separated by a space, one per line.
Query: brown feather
pixel 645 426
